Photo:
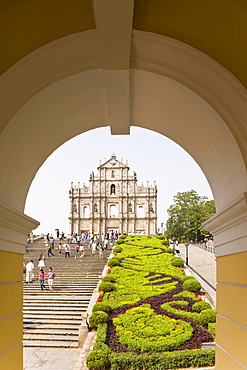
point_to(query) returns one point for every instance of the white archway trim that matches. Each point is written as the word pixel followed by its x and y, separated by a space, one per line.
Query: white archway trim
pixel 113 19
pixel 14 228
pixel 199 73
pixel 43 67
pixel 229 227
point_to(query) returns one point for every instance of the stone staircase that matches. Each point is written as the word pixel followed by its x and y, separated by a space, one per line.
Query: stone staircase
pixel 52 318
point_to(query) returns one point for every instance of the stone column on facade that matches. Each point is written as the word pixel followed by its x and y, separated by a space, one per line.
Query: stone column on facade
pixel 105 206
pixel 229 230
pixel 71 208
pixel 79 210
pixel 92 204
pixel 100 210
pixel 148 204
pixel 134 202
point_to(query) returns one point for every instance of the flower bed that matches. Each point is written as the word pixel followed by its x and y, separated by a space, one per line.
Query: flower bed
pixel 152 320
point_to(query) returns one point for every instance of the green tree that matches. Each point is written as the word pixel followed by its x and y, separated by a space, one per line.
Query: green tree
pixel 187 214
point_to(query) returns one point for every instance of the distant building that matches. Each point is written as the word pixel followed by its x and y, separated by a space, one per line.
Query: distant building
pixel 113 202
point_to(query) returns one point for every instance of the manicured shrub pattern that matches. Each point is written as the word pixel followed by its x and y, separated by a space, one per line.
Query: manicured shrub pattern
pixel 141 329
pixel 192 285
pixel 98 317
pixel 169 250
pixel 176 261
pixel 114 261
pixel 165 242
pixel 212 328
pixel 97 360
pixel 153 325
pixel 200 306
pixel 106 286
pixel 101 306
pixel 117 249
pixel 187 277
pixel 109 278
pixel 120 241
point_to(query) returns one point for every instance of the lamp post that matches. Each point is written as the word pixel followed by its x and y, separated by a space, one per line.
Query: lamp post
pixel 186 225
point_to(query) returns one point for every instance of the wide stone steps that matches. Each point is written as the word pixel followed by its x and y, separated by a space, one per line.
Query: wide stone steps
pixel 57 322
pixel 59 336
pixel 52 318
pixel 50 344
pixel 45 305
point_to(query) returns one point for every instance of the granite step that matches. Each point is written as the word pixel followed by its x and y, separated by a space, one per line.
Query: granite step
pixel 52 337
pixel 50 344
pixel 49 321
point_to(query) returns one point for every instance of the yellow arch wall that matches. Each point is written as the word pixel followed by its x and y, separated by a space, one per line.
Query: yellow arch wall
pixel 11 321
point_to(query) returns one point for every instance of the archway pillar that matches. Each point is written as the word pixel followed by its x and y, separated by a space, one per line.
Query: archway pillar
pixel 14 229
pixel 229 228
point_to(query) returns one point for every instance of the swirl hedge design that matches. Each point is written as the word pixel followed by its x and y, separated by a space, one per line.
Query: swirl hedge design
pixel 151 313
pixel 140 328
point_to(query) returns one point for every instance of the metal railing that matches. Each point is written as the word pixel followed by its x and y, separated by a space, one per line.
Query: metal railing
pixel 209 248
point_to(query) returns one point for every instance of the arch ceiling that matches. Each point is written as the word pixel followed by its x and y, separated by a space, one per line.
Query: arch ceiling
pixel 73 66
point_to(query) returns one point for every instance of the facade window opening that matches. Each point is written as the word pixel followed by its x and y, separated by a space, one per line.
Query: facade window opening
pixel 140 211
pixel 113 189
pixel 113 211
pixel 151 208
pixel 112 174
pixel 130 208
pixel 85 212
pixel 95 208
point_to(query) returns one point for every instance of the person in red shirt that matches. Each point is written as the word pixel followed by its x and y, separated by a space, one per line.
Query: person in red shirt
pixel 42 279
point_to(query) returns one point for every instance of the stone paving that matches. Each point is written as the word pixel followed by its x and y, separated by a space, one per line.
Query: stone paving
pixel 204 263
pixel 74 359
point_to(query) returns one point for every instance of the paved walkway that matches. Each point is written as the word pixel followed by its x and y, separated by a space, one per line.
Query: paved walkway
pixel 204 263
pixel 74 359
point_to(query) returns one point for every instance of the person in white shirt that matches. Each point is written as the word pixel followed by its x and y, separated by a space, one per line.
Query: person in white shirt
pixel 29 271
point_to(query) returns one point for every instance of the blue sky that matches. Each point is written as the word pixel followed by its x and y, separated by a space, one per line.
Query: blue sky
pixel 152 156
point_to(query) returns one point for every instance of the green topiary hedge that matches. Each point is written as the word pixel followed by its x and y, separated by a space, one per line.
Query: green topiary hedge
pixel 114 261
pixel 200 306
pixel 101 306
pixel 120 241
pixel 212 328
pixel 186 294
pixel 166 360
pixel 97 318
pixel 165 242
pixel 177 262
pixel 109 278
pixel 140 328
pixel 117 249
pixel 187 277
pixel 106 286
pixel 192 285
pixel 207 316
pixel 169 250
pixel 154 361
pixel 97 360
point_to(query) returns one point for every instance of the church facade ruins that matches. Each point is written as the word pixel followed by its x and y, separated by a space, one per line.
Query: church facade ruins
pixel 113 201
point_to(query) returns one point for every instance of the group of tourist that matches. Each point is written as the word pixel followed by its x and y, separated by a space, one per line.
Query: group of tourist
pixel 94 242
pixel 29 269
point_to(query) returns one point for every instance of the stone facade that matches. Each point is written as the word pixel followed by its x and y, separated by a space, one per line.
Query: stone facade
pixel 113 202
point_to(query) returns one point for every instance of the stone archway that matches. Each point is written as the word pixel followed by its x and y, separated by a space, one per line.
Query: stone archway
pixel 173 90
